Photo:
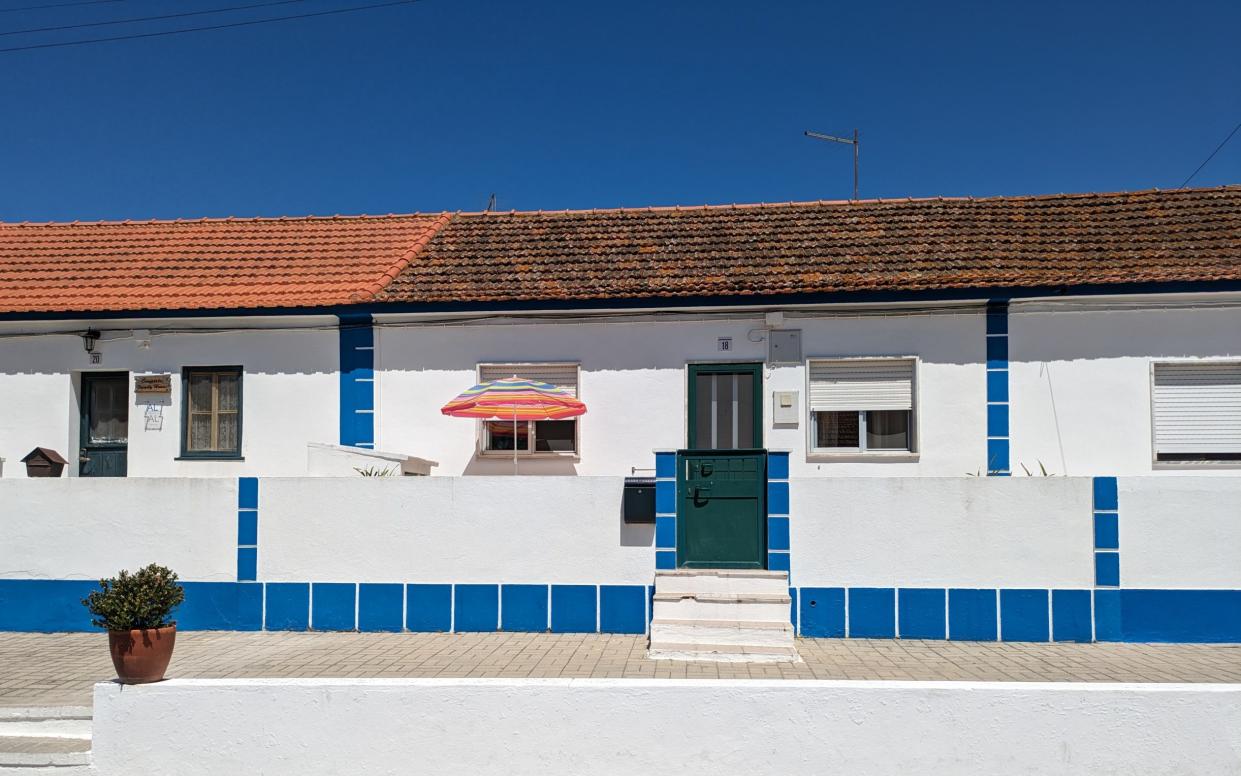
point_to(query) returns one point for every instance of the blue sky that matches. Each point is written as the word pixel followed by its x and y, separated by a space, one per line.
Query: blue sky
pixel 552 105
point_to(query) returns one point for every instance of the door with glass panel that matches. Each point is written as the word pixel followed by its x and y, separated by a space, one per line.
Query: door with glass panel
pixel 862 406
pixel 103 449
pixel 725 406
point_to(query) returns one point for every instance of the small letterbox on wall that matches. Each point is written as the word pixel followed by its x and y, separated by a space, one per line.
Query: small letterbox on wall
pixel 44 462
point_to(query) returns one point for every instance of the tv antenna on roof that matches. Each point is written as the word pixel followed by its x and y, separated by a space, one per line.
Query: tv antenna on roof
pixel 854 142
pixel 491 204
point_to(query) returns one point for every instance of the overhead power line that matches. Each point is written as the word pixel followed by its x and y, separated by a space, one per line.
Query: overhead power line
pixel 58 5
pixel 135 19
pixel 1212 156
pixel 210 28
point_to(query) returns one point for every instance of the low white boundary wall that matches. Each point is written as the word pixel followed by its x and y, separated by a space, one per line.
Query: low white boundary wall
pixel 551 727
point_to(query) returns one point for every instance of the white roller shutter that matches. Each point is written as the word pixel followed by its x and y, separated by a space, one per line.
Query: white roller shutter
pixel 560 375
pixel 861 384
pixel 1197 408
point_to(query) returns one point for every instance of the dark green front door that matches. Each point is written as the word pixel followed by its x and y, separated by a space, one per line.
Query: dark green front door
pixel 725 406
pixel 104 440
pixel 720 517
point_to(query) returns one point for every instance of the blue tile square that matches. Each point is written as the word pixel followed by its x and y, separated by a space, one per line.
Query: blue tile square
pixel 221 606
pixel 997 352
pixel 380 607
pixel 574 608
pixel 665 465
pixel 822 612
pixel 1107 569
pixel 997 386
pixel 1105 495
pixel 476 608
pixel 665 560
pixel 622 608
pixel 997 420
pixel 1107 619
pixel 922 613
pixel 1070 615
pixel 332 606
pixel 777 466
pixel 1210 616
pixel 666 497
pixel 247 493
pixel 777 498
pixel 777 533
pixel 971 615
pixel 428 608
pixel 523 608
pixel 288 606
pixel 778 561
pixel 872 613
pixel 1106 531
pixel 997 455
pixel 665 532
pixel 247 527
pixel 247 564
pixel 997 318
pixel 45 605
pixel 1024 615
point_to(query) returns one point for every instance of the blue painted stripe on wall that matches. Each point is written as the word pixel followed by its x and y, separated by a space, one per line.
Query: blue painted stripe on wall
pixel 380 606
pixel 666 465
pixel 777 498
pixel 574 608
pixel 1070 615
pixel 1107 569
pixel 971 615
pixel 778 561
pixel 1106 498
pixel 476 608
pixel 247 564
pixel 665 560
pixel 288 606
pixel 1024 615
pixel 428 608
pixel 221 606
pixel 997 352
pixel 997 386
pixel 997 455
pixel 45 605
pixel 1179 615
pixel 1107 615
pixel 332 606
pixel 665 532
pixel 778 466
pixel 1106 531
pixel 523 608
pixel 622 608
pixel 997 420
pixel 872 612
pixel 247 493
pixel 777 533
pixel 821 612
pixel 666 497
pixel 247 528
pixel 921 613
pixel 997 318
pixel 357 373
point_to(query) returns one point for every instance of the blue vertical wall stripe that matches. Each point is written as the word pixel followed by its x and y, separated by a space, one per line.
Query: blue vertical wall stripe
pixel 247 529
pixel 1106 505
pixel 665 512
pixel 999 453
pixel 779 506
pixel 357 380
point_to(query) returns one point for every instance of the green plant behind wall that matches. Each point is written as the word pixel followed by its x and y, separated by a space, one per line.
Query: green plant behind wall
pixel 144 599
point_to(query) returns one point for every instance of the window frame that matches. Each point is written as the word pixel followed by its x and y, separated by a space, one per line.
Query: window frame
pixel 861 453
pixel 480 427
pixel 1205 463
pixel 211 455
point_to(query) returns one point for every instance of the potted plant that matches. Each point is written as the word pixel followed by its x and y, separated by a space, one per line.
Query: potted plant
pixel 134 609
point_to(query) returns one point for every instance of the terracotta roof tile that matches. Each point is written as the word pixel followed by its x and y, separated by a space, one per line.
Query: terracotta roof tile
pixel 825 247
pixel 223 263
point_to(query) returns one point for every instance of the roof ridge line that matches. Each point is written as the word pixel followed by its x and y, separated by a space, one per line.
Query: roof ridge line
pixel 372 289
pixel 227 219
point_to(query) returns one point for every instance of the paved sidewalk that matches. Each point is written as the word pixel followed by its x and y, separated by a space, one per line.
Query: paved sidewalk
pixel 59 669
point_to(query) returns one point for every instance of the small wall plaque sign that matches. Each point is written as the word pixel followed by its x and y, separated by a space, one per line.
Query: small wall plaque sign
pixel 153 384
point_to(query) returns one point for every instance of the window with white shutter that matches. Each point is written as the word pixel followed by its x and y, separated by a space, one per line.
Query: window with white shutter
pixel 537 437
pixel 862 405
pixel 1197 411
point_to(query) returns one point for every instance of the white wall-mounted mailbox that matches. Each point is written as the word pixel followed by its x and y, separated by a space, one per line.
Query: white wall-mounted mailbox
pixel 784 408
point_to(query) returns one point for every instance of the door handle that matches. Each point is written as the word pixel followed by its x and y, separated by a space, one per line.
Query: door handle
pixel 700 494
pixel 83 458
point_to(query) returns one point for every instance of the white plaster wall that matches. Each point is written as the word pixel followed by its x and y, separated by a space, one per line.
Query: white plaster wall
pixel 961 532
pixel 290 392
pixel 514 727
pixel 460 529
pixel 633 380
pixel 88 528
pixel 1180 533
pixel 1080 384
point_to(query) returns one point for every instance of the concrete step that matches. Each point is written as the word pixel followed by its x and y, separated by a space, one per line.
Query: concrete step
pixel 724 653
pixel 32 754
pixel 749 634
pixel 72 722
pixel 739 581
pixel 733 607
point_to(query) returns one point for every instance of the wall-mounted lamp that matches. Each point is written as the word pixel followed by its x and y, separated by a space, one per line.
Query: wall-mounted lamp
pixel 89 338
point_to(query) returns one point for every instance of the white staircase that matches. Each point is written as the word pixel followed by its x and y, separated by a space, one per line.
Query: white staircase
pixel 736 615
pixel 45 740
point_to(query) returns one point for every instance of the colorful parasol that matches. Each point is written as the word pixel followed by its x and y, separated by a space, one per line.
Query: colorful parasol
pixel 514 398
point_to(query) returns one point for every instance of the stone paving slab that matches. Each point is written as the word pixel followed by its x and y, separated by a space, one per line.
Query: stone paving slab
pixel 59 669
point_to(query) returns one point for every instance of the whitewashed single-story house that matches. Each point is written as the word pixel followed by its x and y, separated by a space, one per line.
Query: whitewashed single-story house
pixel 1079 338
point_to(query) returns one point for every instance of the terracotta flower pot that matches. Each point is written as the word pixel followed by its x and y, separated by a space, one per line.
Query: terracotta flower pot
pixel 142 656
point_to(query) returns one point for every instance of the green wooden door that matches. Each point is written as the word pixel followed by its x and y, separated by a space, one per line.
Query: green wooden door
pixel 104 430
pixel 720 517
pixel 725 407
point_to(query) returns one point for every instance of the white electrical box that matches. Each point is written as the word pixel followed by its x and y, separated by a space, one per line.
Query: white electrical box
pixel 784 408
pixel 784 346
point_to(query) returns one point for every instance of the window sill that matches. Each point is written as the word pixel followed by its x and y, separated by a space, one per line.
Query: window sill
pixel 508 455
pixel 872 457
pixel 1193 465
pixel 228 458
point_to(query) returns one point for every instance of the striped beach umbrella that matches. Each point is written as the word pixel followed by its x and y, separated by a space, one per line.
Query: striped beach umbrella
pixel 516 399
